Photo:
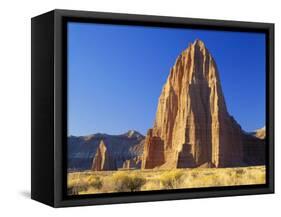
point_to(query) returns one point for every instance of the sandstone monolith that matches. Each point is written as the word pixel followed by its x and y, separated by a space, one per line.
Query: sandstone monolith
pixel 192 125
pixel 102 159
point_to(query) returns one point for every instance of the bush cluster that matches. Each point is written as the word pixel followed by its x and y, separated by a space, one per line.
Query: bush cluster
pixel 171 179
pixel 95 182
pixel 124 182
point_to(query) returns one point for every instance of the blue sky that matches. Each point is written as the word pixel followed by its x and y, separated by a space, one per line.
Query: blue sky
pixel 116 74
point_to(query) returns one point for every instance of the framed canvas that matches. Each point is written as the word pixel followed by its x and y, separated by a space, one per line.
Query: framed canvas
pixel 134 108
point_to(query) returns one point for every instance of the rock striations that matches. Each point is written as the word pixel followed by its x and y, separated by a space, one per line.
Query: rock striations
pixel 119 148
pixel 102 160
pixel 192 125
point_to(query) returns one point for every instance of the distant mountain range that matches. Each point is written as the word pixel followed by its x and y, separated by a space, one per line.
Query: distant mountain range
pixel 121 148
pixel 125 151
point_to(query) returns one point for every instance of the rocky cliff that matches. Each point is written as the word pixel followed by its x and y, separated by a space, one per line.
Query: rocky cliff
pixel 83 149
pixel 192 125
pixel 134 163
pixel 254 147
pixel 102 159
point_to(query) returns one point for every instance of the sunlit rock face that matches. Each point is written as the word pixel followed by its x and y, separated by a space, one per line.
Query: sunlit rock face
pixel 102 159
pixel 192 125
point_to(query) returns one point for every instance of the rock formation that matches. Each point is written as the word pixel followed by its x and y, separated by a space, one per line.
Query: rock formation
pixel 192 125
pixel 82 149
pixel 102 160
pixel 134 163
pixel 153 154
pixel 260 133
pixel 254 148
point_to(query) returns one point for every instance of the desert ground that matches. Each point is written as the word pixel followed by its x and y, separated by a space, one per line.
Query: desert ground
pixel 94 182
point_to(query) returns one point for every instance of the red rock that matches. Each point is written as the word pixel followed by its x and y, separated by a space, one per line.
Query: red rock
pixel 102 160
pixel 153 155
pixel 192 124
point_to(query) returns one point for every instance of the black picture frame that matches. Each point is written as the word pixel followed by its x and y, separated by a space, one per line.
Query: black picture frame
pixel 49 107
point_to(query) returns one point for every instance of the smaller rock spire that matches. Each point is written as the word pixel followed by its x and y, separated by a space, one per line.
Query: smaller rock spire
pixel 101 161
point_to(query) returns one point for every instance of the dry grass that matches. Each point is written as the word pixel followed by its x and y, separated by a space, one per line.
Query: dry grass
pixel 124 181
pixel 143 180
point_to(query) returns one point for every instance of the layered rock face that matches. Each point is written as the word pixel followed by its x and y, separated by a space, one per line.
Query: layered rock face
pixel 102 159
pixel 119 148
pixel 254 148
pixel 153 151
pixel 134 163
pixel 192 125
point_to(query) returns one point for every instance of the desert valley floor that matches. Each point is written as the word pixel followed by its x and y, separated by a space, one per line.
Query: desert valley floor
pixel 93 182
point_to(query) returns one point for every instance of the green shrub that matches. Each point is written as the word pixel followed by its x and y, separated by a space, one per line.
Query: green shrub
pixel 124 182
